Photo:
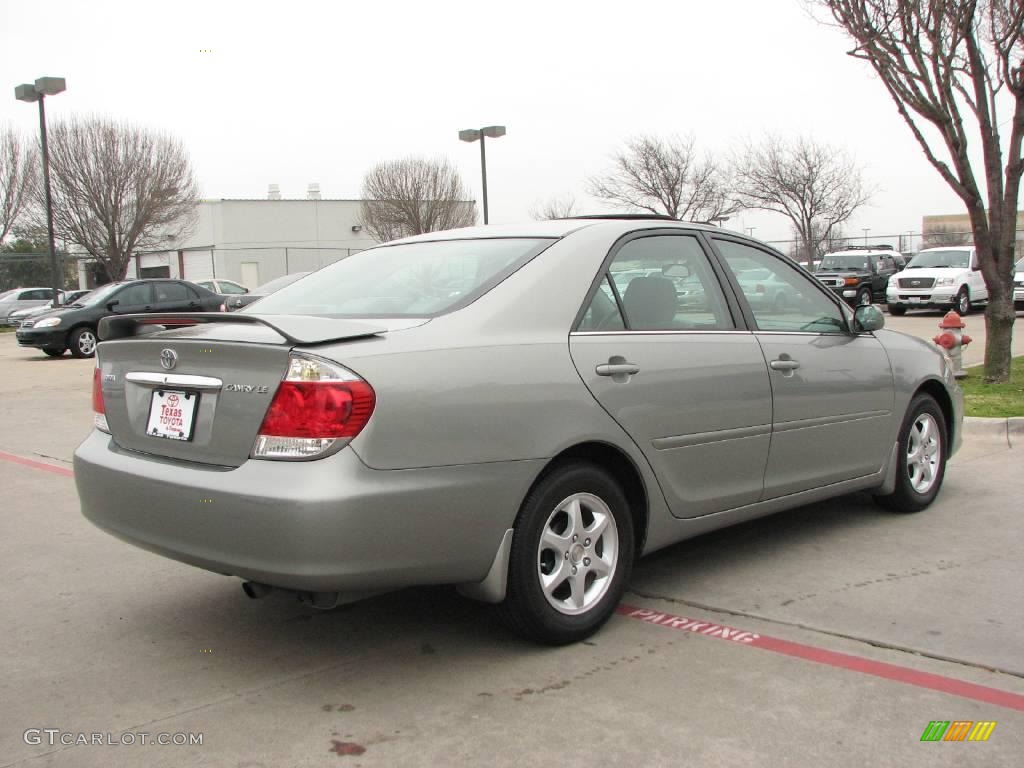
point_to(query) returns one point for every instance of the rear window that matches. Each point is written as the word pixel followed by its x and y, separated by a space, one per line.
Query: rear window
pixel 409 280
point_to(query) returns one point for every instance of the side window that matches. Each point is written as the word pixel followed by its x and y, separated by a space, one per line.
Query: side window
pixel 208 285
pixel 665 283
pixel 603 313
pixel 134 295
pixel 230 288
pixel 168 292
pixel 192 293
pixel 39 294
pixel 780 297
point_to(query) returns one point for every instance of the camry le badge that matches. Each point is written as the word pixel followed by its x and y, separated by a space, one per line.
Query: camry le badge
pixel 168 359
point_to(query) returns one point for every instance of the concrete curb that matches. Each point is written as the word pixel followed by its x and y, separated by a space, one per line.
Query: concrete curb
pixel 1010 430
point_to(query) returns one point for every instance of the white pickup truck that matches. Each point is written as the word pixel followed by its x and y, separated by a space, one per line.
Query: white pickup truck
pixel 938 278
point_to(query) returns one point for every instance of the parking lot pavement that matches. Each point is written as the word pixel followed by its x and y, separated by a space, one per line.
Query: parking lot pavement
pixel 847 630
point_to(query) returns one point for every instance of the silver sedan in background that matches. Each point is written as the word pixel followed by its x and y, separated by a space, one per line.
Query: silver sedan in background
pixel 521 411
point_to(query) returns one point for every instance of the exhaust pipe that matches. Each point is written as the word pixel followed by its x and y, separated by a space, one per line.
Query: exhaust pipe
pixel 254 590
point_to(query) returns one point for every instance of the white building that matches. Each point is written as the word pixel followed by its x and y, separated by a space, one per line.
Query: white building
pixel 255 241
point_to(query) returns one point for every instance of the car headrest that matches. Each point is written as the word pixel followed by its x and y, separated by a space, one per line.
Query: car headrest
pixel 650 302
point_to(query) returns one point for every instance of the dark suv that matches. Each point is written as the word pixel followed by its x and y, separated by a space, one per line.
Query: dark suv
pixel 74 326
pixel 858 273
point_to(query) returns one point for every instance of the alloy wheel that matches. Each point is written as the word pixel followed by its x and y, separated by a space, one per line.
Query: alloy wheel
pixel 577 554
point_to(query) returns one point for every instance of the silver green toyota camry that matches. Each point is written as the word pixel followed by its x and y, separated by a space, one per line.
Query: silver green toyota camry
pixel 521 411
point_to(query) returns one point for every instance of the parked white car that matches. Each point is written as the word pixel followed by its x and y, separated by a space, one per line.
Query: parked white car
pixel 1018 286
pixel 938 278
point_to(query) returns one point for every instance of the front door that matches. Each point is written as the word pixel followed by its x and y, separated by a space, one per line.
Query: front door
pixel 660 350
pixel 832 391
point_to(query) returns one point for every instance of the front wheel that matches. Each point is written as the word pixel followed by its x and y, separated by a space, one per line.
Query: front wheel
pixel 920 456
pixel 572 553
pixel 864 297
pixel 82 342
pixel 963 301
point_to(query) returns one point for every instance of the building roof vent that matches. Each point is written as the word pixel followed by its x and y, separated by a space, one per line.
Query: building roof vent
pixel 313 192
pixel 273 192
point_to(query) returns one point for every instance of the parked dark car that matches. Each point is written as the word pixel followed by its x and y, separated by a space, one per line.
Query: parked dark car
pixel 858 274
pixel 74 326
pixel 237 302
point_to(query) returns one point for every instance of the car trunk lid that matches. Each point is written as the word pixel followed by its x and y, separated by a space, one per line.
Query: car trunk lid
pixel 199 393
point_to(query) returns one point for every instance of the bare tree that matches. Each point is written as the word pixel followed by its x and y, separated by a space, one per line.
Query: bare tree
pixel 414 195
pixel 18 174
pixel 955 70
pixel 665 176
pixel 119 189
pixel 553 208
pixel 815 185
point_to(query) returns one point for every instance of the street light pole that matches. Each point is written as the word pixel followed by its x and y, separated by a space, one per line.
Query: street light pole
pixel 38 91
pixel 480 134
pixel 483 170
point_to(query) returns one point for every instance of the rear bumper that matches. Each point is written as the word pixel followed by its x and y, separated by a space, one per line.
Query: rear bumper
pixel 319 526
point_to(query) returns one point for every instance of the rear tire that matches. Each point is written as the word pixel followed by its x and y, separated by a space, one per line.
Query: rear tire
pixel 54 351
pixel 571 557
pixel 920 456
pixel 897 311
pixel 82 342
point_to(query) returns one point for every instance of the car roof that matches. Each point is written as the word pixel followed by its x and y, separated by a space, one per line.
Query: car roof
pixel 556 228
pixel 948 248
pixel 864 252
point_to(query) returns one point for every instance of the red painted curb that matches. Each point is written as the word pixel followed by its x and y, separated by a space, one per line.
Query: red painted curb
pixel 880 669
pixel 33 464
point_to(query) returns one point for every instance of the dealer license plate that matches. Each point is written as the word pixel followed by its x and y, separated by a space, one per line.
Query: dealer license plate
pixel 172 414
pixel 914 299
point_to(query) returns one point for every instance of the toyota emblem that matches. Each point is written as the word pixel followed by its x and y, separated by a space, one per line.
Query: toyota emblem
pixel 168 359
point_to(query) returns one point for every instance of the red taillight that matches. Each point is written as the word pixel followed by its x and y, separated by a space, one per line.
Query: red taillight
pixel 319 409
pixel 98 405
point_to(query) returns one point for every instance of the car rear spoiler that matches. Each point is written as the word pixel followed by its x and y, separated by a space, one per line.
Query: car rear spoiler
pixel 296 329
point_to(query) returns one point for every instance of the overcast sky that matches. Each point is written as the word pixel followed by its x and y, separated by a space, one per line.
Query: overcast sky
pixel 303 91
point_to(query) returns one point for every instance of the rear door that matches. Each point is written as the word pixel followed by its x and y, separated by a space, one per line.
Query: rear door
pixel 660 348
pixel 832 391
pixel 172 296
pixel 975 280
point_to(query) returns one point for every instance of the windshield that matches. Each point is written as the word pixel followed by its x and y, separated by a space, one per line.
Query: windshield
pixel 950 259
pixel 844 262
pixel 409 280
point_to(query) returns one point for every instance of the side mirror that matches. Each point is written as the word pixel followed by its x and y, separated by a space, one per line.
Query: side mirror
pixel 867 318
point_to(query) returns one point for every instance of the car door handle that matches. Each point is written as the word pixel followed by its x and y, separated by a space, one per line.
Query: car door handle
pixel 617 369
pixel 784 365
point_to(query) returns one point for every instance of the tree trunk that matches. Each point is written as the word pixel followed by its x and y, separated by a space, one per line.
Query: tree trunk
pixel 999 319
